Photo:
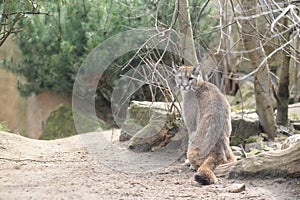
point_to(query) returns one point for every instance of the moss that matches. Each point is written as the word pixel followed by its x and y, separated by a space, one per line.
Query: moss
pixel 293 116
pixel 60 124
pixel 254 138
pixel 253 152
pixel 242 129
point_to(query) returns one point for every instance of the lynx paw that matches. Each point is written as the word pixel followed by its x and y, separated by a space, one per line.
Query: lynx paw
pixel 204 179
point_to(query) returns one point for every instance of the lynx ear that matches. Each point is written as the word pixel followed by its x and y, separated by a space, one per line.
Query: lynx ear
pixel 197 72
pixel 196 69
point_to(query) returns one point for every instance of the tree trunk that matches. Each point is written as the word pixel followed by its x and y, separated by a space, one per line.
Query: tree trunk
pixel 283 87
pixel 284 163
pixel 187 46
pixel 297 74
pixel 262 83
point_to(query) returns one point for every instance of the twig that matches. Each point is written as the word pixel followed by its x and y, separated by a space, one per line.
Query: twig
pixel 137 183
pixel 286 10
pixel 243 151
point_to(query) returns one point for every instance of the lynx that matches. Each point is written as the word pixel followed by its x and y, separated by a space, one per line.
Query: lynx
pixel 206 114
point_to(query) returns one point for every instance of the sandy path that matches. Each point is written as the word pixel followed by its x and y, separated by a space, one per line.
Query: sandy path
pixel 91 167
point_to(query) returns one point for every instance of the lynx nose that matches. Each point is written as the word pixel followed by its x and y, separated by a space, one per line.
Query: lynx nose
pixel 184 84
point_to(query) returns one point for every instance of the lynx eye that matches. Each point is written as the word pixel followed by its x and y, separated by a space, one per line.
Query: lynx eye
pixel 179 80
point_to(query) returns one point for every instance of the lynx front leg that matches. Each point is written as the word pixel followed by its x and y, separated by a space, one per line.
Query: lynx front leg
pixel 205 174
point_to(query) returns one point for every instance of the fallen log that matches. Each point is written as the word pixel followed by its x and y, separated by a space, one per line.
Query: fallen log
pixel 282 163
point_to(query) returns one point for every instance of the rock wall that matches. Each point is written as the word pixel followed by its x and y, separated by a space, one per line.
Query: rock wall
pixel 25 116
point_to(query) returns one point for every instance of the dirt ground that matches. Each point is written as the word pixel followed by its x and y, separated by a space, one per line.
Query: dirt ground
pixel 97 166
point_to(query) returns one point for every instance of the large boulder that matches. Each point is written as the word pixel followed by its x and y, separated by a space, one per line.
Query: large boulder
pixel 150 125
pixel 294 115
pixel 244 124
pixel 60 123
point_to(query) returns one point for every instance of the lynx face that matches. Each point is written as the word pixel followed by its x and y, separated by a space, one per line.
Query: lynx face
pixel 186 78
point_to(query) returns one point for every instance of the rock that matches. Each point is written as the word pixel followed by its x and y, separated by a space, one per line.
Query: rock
pixel 60 123
pixel 150 124
pixel 244 98
pixel 296 125
pixel 139 114
pixel 290 141
pixel 244 124
pixel 294 117
pixel 254 138
pixel 254 145
pixel 237 188
pixel 124 136
pixel 294 112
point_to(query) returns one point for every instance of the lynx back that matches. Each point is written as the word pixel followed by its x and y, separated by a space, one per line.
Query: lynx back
pixel 206 113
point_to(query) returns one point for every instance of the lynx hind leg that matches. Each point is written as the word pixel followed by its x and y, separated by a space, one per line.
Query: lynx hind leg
pixel 193 158
pixel 230 156
pixel 205 174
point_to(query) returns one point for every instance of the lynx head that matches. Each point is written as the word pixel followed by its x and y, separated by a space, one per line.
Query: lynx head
pixel 186 77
